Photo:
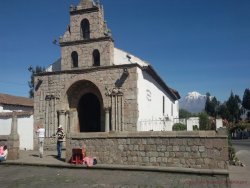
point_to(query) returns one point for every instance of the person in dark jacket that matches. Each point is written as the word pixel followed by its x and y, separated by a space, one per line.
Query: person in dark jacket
pixel 60 139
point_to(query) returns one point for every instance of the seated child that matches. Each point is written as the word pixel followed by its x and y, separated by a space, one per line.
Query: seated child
pixel 89 161
pixel 1 150
pixel 3 156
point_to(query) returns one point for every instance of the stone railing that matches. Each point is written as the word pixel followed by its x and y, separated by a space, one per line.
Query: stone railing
pixel 198 149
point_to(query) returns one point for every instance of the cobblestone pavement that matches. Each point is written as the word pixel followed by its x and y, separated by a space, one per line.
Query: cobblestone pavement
pixel 31 171
pixel 240 175
pixel 36 177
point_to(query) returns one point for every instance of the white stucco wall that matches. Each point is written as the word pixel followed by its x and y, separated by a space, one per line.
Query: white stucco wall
pixel 5 126
pixel 24 129
pixel 150 103
pixel 121 57
pixel 26 132
pixel 219 123
pixel 192 121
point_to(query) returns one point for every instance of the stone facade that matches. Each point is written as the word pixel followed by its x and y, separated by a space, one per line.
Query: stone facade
pixel 96 96
pixel 85 50
pixel 96 88
pixel 58 95
pixel 99 37
pixel 203 150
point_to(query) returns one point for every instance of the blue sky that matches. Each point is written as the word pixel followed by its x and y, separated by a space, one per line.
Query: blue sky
pixel 194 45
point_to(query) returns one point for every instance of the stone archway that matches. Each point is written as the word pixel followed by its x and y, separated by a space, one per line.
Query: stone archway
pixel 85 98
pixel 89 113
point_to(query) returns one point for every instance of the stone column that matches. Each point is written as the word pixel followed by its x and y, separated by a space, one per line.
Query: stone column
pixel 72 115
pixel 107 122
pixel 14 125
pixel 61 114
pixel 117 110
pixel 13 140
pixel 72 122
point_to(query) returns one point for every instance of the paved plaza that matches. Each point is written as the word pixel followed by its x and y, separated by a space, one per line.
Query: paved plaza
pixel 31 171
pixel 240 175
pixel 33 176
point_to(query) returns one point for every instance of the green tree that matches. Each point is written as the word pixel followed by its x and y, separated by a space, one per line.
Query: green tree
pixel 246 102
pixel 33 71
pixel 233 106
pixel 246 99
pixel 184 114
pixel 208 104
pixel 205 123
pixel 223 111
pixel 211 106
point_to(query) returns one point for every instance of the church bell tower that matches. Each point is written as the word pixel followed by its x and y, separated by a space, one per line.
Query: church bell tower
pixel 87 43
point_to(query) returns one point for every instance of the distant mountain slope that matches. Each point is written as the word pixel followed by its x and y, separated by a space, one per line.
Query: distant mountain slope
pixel 194 102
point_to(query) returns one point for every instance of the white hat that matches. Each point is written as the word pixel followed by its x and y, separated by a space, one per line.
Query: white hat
pixel 60 126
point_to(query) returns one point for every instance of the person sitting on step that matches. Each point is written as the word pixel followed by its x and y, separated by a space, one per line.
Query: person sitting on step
pixel 4 155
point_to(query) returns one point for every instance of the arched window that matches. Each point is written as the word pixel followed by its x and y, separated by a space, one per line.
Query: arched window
pixel 74 59
pixel 96 58
pixel 85 29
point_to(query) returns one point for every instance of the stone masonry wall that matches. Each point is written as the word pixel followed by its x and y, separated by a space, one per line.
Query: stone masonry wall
pixel 85 54
pixel 51 95
pixel 202 150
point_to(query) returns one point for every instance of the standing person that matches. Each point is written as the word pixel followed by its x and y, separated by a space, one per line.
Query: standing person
pixel 60 138
pixel 4 155
pixel 40 131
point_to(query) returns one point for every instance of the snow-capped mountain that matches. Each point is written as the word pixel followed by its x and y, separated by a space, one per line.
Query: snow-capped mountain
pixel 194 102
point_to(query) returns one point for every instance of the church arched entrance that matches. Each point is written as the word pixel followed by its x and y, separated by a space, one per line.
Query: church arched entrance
pixel 86 104
pixel 89 113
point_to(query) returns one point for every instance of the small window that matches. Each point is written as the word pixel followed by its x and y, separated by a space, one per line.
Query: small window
pixel 96 58
pixel 74 59
pixel 172 109
pixel 163 105
pixel 85 29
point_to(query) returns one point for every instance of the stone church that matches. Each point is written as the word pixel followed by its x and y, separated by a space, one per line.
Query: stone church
pixel 96 87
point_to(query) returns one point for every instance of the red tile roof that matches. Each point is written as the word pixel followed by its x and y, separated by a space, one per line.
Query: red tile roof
pixel 15 100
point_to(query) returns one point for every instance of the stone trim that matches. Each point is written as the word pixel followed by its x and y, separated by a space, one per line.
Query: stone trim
pixel 149 69
pixel 83 11
pixel 3 139
pixel 83 41
pixel 154 134
pixel 88 70
pixel 18 114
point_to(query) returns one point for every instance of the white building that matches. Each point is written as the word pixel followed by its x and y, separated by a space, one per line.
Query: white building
pixel 23 108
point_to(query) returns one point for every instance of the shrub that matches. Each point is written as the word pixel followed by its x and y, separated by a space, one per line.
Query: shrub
pixel 179 127
pixel 205 123
pixel 231 152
